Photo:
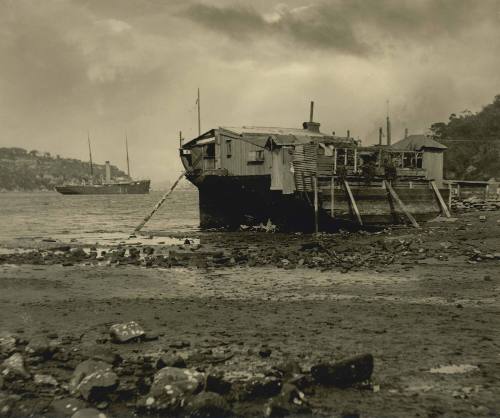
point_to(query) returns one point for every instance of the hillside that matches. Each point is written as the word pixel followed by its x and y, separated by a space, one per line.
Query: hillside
pixel 473 141
pixel 21 170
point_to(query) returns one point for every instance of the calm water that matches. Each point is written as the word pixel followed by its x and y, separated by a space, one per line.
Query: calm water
pixel 26 217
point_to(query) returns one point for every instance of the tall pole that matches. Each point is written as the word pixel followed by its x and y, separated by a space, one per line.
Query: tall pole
pixel 380 134
pixel 311 112
pixel 90 157
pixel 388 126
pixel 199 113
pixel 128 162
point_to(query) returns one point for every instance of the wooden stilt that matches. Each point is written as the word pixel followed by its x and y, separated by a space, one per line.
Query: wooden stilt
pixel 157 206
pixel 316 204
pixel 332 197
pixel 450 195
pixel 395 196
pixel 353 202
pixel 444 208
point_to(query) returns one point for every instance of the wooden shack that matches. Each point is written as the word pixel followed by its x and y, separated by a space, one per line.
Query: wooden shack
pixel 422 153
pixel 297 178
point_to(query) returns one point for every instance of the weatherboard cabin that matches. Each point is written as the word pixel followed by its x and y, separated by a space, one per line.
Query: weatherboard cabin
pixel 303 179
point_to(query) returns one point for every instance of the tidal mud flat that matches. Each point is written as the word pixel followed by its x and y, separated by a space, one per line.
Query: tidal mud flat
pixel 400 322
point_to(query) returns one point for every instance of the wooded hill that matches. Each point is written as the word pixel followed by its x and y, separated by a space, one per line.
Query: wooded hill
pixel 473 141
pixel 21 170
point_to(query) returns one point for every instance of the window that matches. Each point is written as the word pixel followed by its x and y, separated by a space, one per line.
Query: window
pixel 256 156
pixel 229 150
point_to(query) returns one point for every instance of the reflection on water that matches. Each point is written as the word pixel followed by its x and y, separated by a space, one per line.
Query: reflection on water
pixel 26 217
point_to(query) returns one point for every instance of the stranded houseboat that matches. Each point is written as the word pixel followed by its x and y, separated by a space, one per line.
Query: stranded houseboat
pixel 303 179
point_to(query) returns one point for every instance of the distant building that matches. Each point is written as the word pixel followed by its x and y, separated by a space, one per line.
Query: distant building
pixel 421 152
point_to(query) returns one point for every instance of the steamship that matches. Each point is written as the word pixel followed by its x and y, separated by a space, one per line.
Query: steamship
pixel 108 186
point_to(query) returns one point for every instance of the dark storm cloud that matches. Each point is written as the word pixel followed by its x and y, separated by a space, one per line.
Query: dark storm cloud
pixel 357 27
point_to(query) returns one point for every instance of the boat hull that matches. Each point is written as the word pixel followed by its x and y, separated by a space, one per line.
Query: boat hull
pixel 232 201
pixel 134 187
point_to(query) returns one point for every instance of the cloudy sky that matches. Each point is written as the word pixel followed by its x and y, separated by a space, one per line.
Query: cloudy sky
pixel 132 67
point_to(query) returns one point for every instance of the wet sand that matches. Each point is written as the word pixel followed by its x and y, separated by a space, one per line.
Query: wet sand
pixel 435 304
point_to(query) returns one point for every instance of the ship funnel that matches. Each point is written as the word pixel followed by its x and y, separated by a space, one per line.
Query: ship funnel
pixel 311 126
pixel 108 172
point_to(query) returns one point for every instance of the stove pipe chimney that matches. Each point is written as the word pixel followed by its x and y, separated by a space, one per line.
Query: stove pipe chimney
pixel 108 172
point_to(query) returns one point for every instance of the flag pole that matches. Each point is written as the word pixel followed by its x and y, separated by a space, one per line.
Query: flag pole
pixel 199 115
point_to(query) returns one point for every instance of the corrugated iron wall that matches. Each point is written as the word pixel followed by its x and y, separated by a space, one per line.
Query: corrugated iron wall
pixel 305 166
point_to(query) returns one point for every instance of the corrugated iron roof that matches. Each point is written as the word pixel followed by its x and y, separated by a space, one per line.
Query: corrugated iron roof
pixel 417 143
pixel 280 136
pixel 258 130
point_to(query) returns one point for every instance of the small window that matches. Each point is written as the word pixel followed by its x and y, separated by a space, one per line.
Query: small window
pixel 256 156
pixel 229 148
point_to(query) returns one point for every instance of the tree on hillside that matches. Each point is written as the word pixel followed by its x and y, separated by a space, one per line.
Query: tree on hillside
pixel 473 141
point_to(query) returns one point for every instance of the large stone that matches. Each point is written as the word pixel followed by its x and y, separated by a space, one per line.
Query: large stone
pixel 7 404
pixel 344 373
pixel 14 366
pixel 89 413
pixel 172 388
pixel 290 401
pixel 44 380
pixel 215 382
pixel 85 369
pixel 186 380
pixel 98 385
pixel 65 407
pixel 40 346
pixel 170 360
pixel 261 387
pixel 208 405
pixel 122 333
pixel 7 344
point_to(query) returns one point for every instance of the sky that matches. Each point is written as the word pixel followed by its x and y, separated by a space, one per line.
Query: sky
pixel 116 68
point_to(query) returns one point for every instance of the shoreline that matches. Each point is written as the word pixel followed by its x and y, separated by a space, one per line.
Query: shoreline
pixel 424 303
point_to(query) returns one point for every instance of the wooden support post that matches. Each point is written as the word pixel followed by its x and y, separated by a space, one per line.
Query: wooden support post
pixel 316 204
pixel 458 191
pixel 157 206
pixel 345 156
pixel 332 196
pixel 395 196
pixel 450 190
pixel 355 160
pixel 335 161
pixel 444 208
pixel 353 202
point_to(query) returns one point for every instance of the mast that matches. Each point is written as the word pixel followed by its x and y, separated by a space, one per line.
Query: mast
pixel 199 114
pixel 90 157
pixel 128 162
